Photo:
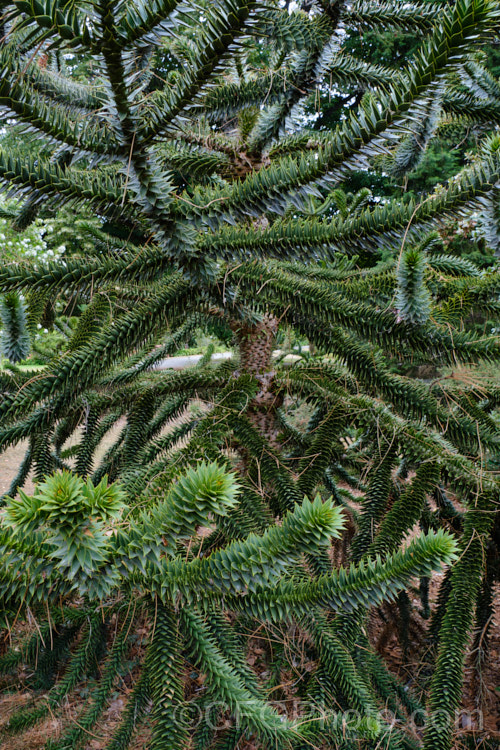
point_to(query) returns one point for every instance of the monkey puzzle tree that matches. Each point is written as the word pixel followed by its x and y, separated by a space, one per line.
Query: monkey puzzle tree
pixel 219 212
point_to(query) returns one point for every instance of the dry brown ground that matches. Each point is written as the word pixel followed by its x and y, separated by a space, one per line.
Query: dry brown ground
pixel 9 465
pixel 479 714
pixel 12 457
pixel 36 737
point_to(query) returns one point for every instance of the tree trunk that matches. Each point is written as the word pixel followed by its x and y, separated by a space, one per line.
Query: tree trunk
pixel 256 343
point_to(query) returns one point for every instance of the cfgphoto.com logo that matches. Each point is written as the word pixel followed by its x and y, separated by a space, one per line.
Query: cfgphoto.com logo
pixel 219 716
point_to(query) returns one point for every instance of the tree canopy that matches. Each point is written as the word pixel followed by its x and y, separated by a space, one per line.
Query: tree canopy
pixel 210 202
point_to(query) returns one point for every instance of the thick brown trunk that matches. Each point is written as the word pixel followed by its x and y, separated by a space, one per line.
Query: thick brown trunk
pixel 256 343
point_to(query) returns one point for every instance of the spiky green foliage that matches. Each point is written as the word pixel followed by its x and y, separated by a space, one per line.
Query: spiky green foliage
pixel 412 297
pixel 212 513
pixel 68 515
pixel 249 575
pixel 14 336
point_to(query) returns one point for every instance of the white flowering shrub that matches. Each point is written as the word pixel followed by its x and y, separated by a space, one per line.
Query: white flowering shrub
pixel 45 239
pixel 34 242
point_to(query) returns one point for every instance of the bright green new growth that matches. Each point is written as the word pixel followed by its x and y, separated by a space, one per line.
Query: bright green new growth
pixel 197 498
pixel 215 513
pixel 67 501
pixel 70 519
